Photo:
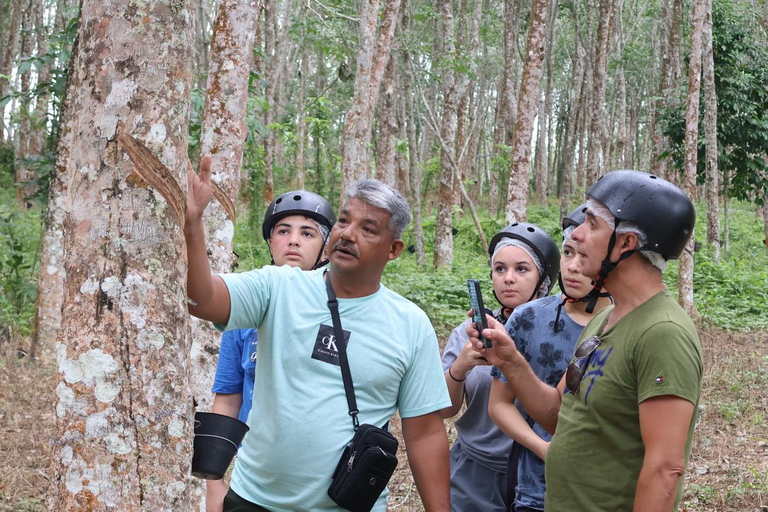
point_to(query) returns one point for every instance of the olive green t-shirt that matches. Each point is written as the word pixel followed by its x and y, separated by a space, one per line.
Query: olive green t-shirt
pixel 595 457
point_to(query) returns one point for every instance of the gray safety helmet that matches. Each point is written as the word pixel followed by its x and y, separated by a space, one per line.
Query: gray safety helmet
pixel 298 202
pixel 663 211
pixel 539 241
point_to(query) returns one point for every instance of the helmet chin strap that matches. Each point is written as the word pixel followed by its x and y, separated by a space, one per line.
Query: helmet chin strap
pixel 567 298
pixel 605 268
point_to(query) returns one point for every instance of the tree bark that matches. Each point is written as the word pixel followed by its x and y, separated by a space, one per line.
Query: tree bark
pixel 10 50
pixel 698 14
pixel 414 168
pixel 372 58
pixel 710 130
pixel 124 413
pixel 388 127
pixel 25 177
pixel 528 106
pixel 595 157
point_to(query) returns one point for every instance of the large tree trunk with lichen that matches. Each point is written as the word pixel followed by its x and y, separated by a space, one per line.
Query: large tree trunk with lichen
pixel 124 411
pixel 698 14
pixel 374 47
pixel 527 109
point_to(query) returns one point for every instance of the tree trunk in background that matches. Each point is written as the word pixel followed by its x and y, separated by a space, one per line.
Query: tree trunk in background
pixel 222 134
pixel 301 129
pixel 202 40
pixel 10 50
pixel 372 57
pixel 622 135
pixel 595 159
pixel 414 167
pixel 528 106
pixel 543 166
pixel 710 130
pixel 765 223
pixel 388 127
pixel 124 411
pixel 506 106
pixel 39 117
pixel 571 136
pixel 698 14
pixel 443 256
pixel 25 176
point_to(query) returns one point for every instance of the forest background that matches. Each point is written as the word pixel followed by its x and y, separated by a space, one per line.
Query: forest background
pixel 481 112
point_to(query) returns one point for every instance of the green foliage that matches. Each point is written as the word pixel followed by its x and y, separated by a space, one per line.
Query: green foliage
pixel 741 81
pixel 19 241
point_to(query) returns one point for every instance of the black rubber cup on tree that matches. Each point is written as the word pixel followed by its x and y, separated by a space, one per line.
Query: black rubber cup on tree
pixel 216 440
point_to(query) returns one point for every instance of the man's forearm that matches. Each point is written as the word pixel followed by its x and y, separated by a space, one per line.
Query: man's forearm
pixel 199 279
pixel 656 489
pixel 539 399
pixel 429 460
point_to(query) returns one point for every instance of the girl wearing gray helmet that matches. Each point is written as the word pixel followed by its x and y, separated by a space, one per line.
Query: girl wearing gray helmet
pixel 524 265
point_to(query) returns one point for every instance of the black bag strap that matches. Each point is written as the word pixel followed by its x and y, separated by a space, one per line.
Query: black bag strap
pixel 346 375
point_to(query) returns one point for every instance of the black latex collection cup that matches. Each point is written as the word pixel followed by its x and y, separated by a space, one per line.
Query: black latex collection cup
pixel 216 440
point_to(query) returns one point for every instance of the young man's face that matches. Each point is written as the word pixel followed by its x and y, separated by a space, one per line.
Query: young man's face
pixel 591 239
pixel 296 241
pixel 360 241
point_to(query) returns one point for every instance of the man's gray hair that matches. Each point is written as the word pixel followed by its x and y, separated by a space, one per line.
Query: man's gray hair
pixel 598 209
pixel 385 197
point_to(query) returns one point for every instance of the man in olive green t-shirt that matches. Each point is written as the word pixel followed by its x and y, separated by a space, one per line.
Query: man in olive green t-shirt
pixel 625 410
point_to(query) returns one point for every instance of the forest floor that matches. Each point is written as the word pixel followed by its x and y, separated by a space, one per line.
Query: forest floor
pixel 727 472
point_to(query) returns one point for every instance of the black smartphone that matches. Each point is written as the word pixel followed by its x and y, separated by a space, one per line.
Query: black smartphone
pixel 478 310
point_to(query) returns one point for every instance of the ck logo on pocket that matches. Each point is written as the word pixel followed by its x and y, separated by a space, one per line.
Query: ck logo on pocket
pixel 327 346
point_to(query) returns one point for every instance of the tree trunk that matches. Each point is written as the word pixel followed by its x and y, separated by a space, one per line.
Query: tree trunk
pixel 10 49
pixel 25 177
pixel 124 413
pixel 39 118
pixel 372 58
pixel 595 157
pixel 388 127
pixel 301 129
pixel 710 130
pixel 698 14
pixel 506 107
pixel 414 168
pixel 528 106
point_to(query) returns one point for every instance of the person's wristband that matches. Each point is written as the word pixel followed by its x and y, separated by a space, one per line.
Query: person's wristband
pixel 454 378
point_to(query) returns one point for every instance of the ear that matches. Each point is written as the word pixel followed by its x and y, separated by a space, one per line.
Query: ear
pixel 395 249
pixel 628 242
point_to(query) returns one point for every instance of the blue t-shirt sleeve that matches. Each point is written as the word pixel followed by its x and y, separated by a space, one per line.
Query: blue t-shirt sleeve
pixel 229 369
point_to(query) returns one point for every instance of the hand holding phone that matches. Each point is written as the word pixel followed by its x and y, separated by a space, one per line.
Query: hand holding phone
pixel 478 310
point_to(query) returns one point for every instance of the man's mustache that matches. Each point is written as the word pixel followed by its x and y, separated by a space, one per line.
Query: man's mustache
pixel 347 247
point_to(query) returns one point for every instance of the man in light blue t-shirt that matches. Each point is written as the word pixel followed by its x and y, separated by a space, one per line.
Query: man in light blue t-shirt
pixel 287 458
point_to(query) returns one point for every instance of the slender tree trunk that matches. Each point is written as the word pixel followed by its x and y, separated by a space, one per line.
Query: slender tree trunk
pixel 414 167
pixel 726 212
pixel 202 40
pixel 388 127
pixel 25 177
pixel 11 48
pixel 710 130
pixel 528 106
pixel 301 129
pixel 124 412
pixel 595 157
pixel 506 110
pixel 39 126
pixel 372 58
pixel 698 14
pixel 622 135
pixel 443 256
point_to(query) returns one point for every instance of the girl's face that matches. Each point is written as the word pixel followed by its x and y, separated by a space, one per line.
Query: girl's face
pixel 514 276
pixel 576 284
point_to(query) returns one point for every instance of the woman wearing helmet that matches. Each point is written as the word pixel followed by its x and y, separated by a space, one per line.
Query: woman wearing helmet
pixel 296 227
pixel 524 265
pixel 545 331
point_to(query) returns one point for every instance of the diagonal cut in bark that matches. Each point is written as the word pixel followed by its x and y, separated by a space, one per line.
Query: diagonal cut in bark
pixel 151 170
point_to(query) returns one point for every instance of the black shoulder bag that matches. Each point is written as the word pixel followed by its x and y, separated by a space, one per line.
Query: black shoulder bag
pixel 368 461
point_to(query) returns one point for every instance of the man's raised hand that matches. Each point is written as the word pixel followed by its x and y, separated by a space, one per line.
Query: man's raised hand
pixel 199 190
